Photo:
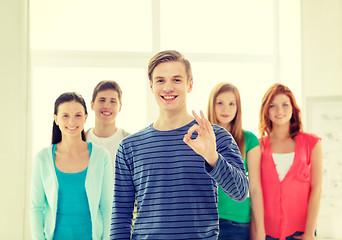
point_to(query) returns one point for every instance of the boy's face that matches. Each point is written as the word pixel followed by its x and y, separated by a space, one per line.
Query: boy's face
pixel 170 86
pixel 106 106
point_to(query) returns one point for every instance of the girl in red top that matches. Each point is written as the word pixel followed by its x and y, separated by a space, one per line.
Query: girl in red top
pixel 291 168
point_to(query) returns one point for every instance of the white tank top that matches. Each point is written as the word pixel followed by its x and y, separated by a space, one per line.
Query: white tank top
pixel 283 163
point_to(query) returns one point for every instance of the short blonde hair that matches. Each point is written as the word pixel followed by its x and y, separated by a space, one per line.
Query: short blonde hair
pixel 169 56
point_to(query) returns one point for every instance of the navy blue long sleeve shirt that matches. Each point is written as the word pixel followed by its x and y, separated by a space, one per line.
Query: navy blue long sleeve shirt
pixel 176 190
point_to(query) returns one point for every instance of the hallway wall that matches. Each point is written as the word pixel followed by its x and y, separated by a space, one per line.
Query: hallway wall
pixel 14 118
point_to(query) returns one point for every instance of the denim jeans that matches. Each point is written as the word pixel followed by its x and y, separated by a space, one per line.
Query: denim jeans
pixel 230 230
pixel 291 237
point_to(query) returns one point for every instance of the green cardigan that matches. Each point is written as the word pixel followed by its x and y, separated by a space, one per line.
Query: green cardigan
pixel 44 193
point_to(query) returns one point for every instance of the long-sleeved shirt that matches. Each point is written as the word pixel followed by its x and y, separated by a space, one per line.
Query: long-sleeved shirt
pixel 176 190
pixel 44 194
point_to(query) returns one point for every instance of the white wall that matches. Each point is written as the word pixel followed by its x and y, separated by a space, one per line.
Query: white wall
pixel 322 47
pixel 322 74
pixel 14 118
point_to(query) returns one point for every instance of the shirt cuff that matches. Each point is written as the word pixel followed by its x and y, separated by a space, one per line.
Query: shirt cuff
pixel 214 172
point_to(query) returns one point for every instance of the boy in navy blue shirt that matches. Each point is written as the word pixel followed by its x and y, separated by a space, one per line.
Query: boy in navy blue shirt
pixel 173 166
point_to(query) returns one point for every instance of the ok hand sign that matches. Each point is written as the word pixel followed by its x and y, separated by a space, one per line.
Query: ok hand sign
pixel 205 143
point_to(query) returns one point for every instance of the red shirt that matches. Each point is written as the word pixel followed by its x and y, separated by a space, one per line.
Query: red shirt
pixel 286 202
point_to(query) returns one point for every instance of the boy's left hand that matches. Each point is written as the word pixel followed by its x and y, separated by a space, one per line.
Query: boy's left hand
pixel 205 143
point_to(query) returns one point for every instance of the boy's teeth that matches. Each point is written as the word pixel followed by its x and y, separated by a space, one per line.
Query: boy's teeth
pixel 168 97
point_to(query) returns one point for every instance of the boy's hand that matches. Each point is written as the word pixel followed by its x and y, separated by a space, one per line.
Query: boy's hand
pixel 205 143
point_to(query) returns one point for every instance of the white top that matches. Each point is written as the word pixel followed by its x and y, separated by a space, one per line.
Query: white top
pixel 110 143
pixel 283 163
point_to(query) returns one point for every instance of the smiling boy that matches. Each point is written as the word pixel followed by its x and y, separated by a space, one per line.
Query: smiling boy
pixel 106 103
pixel 173 166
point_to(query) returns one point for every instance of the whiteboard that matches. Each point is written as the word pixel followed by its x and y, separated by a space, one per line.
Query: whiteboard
pixel 324 118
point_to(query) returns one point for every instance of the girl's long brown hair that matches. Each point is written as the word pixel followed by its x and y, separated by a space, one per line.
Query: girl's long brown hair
pixel 236 124
pixel 265 124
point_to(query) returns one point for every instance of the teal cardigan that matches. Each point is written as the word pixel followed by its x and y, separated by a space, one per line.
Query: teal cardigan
pixel 44 193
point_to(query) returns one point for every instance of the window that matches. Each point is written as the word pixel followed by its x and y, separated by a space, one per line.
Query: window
pixel 218 26
pixel 77 44
pixel 103 25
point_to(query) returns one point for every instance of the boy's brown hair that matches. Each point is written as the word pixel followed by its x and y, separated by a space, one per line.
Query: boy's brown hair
pixel 107 84
pixel 169 56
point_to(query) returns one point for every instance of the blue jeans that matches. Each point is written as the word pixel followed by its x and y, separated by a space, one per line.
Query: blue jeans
pixel 287 238
pixel 291 237
pixel 230 230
